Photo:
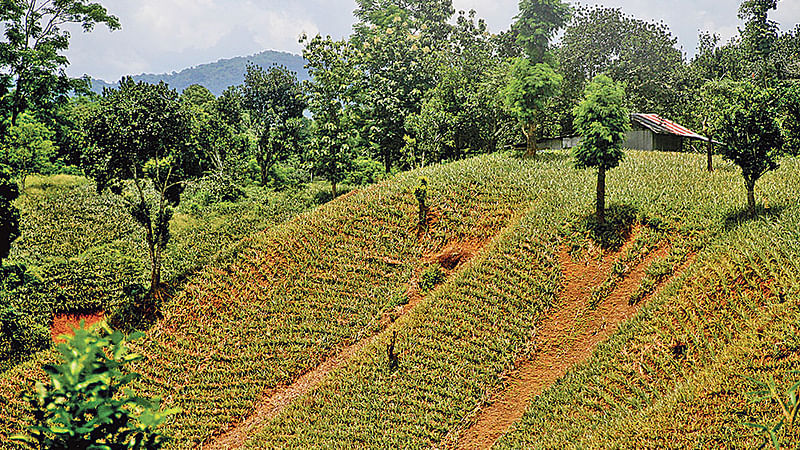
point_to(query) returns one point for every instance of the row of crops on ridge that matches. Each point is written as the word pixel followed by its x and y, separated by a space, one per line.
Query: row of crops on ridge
pixel 287 298
pixel 284 300
pixel 458 344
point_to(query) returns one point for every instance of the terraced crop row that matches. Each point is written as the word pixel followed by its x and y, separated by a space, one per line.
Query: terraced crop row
pixel 460 341
pixel 287 299
pixel 298 293
pixel 452 349
pixel 673 377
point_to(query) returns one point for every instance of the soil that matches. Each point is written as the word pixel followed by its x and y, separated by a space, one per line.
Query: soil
pixel 567 337
pixel 65 323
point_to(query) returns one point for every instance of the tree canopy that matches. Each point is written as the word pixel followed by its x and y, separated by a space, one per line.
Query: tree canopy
pixel 537 23
pixel 9 215
pixel 141 134
pixel 275 103
pixel 641 54
pixel 32 55
pixel 746 121
pixel 529 90
pixel 602 120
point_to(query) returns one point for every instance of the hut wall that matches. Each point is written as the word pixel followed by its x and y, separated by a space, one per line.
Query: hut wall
pixel 639 139
pixel 569 142
pixel 668 143
pixel 550 144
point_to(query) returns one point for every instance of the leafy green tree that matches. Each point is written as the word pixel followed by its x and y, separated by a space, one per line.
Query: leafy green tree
pixel 790 118
pixel 640 54
pixel 212 135
pixel 197 95
pixel 29 148
pixel 760 34
pixel 457 116
pixel 229 107
pixel 35 37
pixel 529 89
pixel 329 91
pixel 85 404
pixel 537 23
pixel 141 134
pixel 9 216
pixel 746 122
pixel 602 120
pixel 395 49
pixel 275 103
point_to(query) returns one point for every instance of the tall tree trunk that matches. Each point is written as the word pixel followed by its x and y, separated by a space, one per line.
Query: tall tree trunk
pixel 263 174
pixel 751 196
pixel 16 103
pixel 333 189
pixel 710 155
pixel 530 136
pixel 601 195
pixel 155 274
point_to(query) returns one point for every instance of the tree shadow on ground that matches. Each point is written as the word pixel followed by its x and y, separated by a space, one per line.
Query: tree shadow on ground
pixel 743 215
pixel 616 230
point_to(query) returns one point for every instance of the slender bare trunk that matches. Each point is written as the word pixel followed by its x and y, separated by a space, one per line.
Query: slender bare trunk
pixel 601 195
pixel 16 103
pixel 333 189
pixel 710 155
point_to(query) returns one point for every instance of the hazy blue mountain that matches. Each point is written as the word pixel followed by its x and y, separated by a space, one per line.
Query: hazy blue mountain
pixel 218 76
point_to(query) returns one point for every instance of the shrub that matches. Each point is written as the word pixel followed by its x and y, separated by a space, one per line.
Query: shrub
pixel 365 171
pixel 84 405
pixel 431 277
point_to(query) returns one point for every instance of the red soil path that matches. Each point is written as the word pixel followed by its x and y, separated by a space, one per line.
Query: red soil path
pixel 564 339
pixel 452 258
pixel 65 323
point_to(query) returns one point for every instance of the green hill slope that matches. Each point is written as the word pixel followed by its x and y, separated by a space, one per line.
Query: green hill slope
pixel 220 75
pixel 297 294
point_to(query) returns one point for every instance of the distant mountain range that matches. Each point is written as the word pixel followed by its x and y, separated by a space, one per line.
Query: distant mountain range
pixel 220 75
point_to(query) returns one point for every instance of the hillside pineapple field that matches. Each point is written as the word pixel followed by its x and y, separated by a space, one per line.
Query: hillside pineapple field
pixel 468 300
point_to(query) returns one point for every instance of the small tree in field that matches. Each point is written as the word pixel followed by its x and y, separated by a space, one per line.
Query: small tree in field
pixel 85 405
pixel 9 216
pixel 141 135
pixel 747 124
pixel 602 120
pixel 529 89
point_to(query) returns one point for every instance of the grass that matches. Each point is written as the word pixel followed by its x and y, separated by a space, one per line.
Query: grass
pixel 281 302
pixel 287 298
pixel 674 376
pixel 463 338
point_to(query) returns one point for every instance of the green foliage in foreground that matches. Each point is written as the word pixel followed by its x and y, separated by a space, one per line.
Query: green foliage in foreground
pixel 788 407
pixel 85 405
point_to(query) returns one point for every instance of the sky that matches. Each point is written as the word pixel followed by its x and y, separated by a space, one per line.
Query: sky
pixel 159 36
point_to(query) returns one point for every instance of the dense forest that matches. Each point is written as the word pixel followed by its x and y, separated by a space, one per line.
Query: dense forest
pixel 416 83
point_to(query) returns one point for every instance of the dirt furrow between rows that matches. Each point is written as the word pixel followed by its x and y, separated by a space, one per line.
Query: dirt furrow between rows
pixel 565 338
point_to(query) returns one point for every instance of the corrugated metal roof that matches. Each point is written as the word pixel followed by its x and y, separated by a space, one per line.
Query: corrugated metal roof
pixel 660 125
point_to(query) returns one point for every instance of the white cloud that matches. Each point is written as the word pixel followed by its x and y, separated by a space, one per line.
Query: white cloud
pixel 167 35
